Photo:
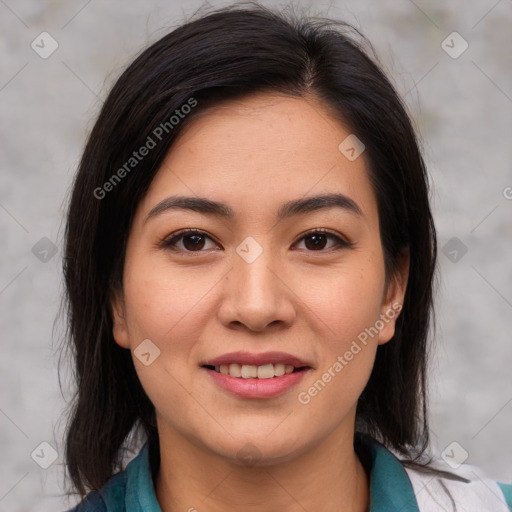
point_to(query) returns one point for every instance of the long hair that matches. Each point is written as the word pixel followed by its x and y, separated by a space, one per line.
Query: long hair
pixel 230 53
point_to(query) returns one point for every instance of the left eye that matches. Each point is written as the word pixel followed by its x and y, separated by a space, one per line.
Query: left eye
pixel 193 240
pixel 318 240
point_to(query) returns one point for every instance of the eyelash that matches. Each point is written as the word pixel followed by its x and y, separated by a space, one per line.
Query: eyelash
pixel 170 241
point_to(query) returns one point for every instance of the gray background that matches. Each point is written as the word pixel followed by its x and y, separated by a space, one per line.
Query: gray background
pixel 462 109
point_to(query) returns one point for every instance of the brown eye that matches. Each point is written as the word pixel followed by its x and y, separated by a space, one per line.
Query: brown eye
pixel 318 239
pixel 191 241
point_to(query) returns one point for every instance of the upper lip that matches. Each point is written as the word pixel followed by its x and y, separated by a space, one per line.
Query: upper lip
pixel 249 358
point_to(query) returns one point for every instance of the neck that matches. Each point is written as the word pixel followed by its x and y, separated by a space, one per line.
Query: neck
pixel 327 477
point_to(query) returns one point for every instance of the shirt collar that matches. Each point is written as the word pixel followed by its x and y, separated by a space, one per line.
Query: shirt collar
pixel 390 487
pixel 140 492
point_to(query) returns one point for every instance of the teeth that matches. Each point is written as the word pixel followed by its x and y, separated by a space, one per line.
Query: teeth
pixel 250 371
pixel 235 370
pixel 266 371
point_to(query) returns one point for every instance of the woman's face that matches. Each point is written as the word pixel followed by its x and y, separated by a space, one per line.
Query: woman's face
pixel 257 281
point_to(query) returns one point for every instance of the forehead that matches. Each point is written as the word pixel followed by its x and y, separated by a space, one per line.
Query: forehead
pixel 259 152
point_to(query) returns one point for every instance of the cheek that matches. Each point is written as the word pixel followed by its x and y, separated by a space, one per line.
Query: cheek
pixel 348 305
pixel 347 301
pixel 166 307
pixel 162 304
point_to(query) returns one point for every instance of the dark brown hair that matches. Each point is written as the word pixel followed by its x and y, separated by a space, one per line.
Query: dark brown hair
pixel 230 53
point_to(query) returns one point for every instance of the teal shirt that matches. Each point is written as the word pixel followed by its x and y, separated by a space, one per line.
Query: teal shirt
pixel 391 489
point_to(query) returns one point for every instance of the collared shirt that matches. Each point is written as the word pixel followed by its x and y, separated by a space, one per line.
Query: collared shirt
pixel 394 487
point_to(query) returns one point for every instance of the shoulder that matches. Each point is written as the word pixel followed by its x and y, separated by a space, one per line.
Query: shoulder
pixel 129 490
pixel 100 501
pixel 460 489
pixel 396 484
pixel 93 502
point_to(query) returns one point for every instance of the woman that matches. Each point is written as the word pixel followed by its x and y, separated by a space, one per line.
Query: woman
pixel 250 256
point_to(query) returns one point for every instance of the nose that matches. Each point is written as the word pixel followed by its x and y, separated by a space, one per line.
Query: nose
pixel 257 294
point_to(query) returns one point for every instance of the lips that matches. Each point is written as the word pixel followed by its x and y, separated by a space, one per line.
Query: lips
pixel 256 376
pixel 248 358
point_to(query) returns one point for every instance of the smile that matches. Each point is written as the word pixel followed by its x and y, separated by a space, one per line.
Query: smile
pixel 250 371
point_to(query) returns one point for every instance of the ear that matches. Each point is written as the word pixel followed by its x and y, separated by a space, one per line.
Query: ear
pixel 117 312
pixel 394 297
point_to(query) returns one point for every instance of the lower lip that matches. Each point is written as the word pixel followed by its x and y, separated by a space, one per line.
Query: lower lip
pixel 256 388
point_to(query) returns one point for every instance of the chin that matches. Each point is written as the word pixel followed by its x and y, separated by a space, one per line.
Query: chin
pixel 258 450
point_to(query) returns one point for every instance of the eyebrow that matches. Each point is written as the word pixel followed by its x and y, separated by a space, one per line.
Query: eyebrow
pixel 286 210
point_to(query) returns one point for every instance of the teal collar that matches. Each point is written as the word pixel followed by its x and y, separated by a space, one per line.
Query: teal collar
pixel 133 488
pixel 390 487
pixel 140 492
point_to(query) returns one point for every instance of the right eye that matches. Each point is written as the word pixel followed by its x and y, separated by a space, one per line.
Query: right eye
pixel 192 240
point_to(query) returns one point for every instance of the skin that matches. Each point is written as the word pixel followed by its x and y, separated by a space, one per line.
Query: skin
pixel 255 154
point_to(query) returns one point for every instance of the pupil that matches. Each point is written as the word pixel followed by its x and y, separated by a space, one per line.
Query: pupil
pixel 317 241
pixel 196 243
